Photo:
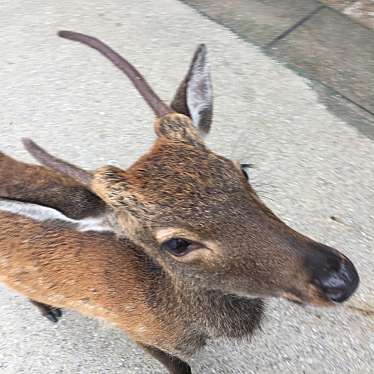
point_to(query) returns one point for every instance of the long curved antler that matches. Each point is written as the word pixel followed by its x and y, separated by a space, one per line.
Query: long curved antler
pixel 152 99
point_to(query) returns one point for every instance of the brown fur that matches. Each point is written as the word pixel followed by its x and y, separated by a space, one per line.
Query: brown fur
pixel 101 276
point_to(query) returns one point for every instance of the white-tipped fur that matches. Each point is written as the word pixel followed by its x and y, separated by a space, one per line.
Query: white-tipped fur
pixel 42 213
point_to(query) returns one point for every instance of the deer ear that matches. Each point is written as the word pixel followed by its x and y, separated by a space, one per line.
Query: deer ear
pixel 194 97
pixel 108 183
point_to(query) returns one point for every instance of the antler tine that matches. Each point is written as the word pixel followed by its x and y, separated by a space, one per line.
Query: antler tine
pixel 55 163
pixel 152 99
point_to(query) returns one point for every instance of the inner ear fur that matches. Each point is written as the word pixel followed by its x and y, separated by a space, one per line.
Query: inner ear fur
pixel 194 97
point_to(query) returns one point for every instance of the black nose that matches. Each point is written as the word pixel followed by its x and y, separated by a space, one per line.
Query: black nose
pixel 334 275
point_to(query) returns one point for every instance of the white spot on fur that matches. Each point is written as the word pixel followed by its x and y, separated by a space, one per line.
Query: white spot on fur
pixel 41 213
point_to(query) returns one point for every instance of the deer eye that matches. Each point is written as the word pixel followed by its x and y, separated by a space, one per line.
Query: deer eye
pixel 177 246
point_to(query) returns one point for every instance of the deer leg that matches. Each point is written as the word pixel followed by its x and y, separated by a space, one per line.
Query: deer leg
pixel 48 311
pixel 174 364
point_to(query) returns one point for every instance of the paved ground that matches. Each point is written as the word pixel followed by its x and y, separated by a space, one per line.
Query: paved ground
pixel 322 43
pixel 360 10
pixel 310 165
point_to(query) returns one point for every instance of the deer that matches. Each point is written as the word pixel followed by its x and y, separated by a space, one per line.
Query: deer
pixel 183 249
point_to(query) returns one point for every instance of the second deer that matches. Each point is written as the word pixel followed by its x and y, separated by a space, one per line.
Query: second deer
pixel 187 251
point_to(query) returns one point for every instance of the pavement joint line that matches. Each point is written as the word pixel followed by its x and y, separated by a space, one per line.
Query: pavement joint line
pixel 301 22
pixel 334 91
pixel 271 44
pixel 294 27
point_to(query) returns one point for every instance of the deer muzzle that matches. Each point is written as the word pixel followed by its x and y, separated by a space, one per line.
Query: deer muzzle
pixel 333 274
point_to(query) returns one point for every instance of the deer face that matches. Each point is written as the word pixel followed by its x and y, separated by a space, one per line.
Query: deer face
pixel 196 214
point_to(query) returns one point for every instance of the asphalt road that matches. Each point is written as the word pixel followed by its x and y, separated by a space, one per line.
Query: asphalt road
pixel 309 166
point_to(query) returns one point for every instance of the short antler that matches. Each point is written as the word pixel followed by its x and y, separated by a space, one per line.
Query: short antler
pixel 55 163
pixel 152 99
pixel 34 184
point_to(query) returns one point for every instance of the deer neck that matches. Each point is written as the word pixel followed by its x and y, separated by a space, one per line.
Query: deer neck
pixel 211 312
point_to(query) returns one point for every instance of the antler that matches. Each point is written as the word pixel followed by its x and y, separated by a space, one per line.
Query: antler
pixel 55 163
pixel 152 99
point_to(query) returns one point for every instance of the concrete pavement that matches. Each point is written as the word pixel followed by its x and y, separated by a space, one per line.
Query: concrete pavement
pixel 310 165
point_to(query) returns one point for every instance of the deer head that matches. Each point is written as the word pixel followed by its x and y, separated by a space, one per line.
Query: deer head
pixel 195 213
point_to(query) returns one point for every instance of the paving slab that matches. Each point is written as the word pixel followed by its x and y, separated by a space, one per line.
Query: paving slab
pixel 362 11
pixel 338 4
pixel 347 111
pixel 259 21
pixel 310 165
pixel 334 49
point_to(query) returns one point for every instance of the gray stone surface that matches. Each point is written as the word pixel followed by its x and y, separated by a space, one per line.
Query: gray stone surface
pixel 336 50
pixel 309 165
pixel 348 112
pixel 362 11
pixel 259 21
pixel 338 4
